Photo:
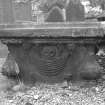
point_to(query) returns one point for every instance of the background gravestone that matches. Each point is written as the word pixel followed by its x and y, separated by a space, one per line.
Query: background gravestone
pixel 6 11
pixel 75 12
pixel 23 11
pixel 55 15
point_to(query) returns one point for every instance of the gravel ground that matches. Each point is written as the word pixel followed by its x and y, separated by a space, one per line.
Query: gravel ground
pixel 44 94
pixel 72 93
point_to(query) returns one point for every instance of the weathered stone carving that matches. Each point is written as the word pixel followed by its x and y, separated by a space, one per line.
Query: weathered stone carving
pixel 40 61
pixel 54 62
pixel 10 68
pixel 52 59
pixel 51 52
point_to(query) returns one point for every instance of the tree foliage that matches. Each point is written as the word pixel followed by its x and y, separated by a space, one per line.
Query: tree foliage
pixel 95 3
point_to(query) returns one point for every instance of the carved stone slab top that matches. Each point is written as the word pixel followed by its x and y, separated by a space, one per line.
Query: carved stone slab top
pixel 72 29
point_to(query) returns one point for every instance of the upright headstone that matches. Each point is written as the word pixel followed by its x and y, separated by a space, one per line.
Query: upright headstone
pixel 23 11
pixel 55 15
pixel 6 11
pixel 75 12
pixel 103 5
pixel 1 13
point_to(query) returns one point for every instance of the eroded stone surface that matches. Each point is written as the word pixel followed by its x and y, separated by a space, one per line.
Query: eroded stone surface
pixel 81 63
pixel 10 67
pixel 37 65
